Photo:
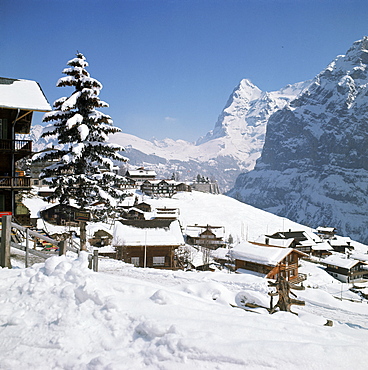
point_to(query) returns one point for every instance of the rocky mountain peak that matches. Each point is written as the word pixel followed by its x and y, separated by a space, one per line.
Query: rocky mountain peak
pixel 314 164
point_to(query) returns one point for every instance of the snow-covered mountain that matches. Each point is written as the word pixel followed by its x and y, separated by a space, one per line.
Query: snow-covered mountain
pixel 230 149
pixel 314 164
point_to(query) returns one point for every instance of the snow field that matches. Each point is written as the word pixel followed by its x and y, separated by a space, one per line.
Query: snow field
pixel 60 315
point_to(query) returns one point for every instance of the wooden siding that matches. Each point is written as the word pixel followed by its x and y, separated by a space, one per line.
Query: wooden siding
pixel 287 268
pixel 126 253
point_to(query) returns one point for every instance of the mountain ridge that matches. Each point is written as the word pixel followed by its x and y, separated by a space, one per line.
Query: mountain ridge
pixel 314 164
pixel 232 147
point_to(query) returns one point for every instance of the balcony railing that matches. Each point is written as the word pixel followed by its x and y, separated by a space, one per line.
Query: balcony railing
pixel 21 182
pixel 288 266
pixel 16 145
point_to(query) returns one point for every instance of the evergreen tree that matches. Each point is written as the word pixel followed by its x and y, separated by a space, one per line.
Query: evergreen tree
pixel 82 169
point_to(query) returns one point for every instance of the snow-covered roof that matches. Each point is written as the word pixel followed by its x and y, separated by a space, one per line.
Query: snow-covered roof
pixel 321 229
pixel 324 246
pixel 220 253
pixel 340 241
pixel 346 263
pixel 148 232
pixel 273 242
pixel 141 172
pixel 269 256
pixel 23 94
pixel 359 256
pixel 196 231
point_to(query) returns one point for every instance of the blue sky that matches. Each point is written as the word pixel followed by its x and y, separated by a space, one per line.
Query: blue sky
pixel 168 67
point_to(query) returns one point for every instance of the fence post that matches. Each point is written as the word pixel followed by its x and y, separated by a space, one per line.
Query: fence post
pixel 27 246
pixel 62 247
pixel 5 242
pixel 95 260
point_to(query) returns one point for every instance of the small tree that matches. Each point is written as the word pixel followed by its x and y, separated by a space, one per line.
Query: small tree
pixel 82 169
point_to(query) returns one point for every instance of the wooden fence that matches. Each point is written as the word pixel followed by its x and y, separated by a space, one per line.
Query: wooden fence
pixel 6 243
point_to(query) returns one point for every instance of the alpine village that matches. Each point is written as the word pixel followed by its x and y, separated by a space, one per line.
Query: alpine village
pixel 82 196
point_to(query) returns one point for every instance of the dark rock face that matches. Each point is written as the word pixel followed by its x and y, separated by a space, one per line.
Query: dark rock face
pixel 314 164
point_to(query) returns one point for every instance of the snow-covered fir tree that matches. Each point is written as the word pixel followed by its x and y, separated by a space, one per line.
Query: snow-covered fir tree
pixel 83 169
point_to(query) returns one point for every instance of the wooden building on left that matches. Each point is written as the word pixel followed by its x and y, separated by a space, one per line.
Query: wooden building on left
pixel 18 100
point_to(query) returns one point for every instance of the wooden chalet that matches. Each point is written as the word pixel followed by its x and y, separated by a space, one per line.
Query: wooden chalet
pixel 145 207
pixel 326 232
pixel 269 262
pixel 148 243
pixel 18 100
pixel 211 237
pixel 166 213
pixel 346 270
pixel 162 188
pixel 60 214
pixel 100 238
pixel 341 244
pixel 267 241
pixel 303 241
pixel 318 249
pixel 140 175
pixel 133 213
pixel 322 249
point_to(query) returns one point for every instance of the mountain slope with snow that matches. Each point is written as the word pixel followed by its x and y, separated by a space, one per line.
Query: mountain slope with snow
pixel 231 148
pixel 314 164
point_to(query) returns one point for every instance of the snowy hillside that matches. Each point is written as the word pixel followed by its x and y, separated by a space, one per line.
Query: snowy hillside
pixel 231 148
pixel 61 315
pixel 314 164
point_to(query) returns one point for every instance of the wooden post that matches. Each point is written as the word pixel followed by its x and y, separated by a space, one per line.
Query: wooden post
pixel 95 260
pixel 83 236
pixel 283 290
pixel 27 246
pixel 5 242
pixel 62 247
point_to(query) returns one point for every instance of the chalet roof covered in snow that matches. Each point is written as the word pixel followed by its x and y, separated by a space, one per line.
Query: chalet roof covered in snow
pixel 22 94
pixel 340 241
pixel 269 256
pixel 321 229
pixel 324 246
pixel 148 233
pixel 282 243
pixel 141 172
pixel 346 263
pixel 195 231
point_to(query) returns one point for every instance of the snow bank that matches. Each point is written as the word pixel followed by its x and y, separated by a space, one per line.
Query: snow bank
pixel 60 315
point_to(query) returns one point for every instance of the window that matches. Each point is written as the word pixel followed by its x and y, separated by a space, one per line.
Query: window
pixel 159 261
pixel 134 261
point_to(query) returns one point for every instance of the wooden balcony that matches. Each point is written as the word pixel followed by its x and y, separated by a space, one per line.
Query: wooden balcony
pixel 20 148
pixel 20 183
pixel 288 266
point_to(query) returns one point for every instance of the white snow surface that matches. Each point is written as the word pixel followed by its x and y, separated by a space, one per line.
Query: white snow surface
pixel 134 236
pixel 24 94
pixel 61 315
pixel 270 256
